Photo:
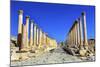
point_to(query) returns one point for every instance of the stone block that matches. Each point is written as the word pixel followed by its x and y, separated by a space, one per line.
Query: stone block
pixel 82 52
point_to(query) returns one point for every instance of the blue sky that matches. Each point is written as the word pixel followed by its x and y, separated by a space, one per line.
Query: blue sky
pixel 54 19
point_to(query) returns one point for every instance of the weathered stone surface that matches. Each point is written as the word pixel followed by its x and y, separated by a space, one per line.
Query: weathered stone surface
pixel 70 51
pixel 14 56
pixel 19 41
pixel 57 56
pixel 91 58
pixel 82 52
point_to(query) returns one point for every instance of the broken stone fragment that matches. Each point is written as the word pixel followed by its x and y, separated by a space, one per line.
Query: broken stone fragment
pixel 82 52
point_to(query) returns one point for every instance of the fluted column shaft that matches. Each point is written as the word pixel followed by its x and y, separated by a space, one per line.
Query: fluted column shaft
pixel 78 37
pixel 37 36
pixel 84 29
pixel 24 36
pixel 69 38
pixel 27 31
pixel 80 32
pixel 40 38
pixel 44 37
pixel 20 21
pixel 31 34
pixel 34 35
pixel 72 36
pixel 76 34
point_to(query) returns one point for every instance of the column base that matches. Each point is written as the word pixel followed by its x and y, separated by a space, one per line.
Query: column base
pixel 86 47
pixel 81 47
pixel 33 49
pixel 82 52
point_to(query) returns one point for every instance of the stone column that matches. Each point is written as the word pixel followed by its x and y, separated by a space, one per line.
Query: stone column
pixel 69 38
pixel 20 21
pixel 73 36
pixel 24 37
pixel 43 41
pixel 82 52
pixel 50 42
pixel 84 30
pixel 78 37
pixel 27 31
pixel 40 38
pixel 72 33
pixel 31 35
pixel 76 33
pixel 46 40
pixel 22 44
pixel 44 36
pixel 37 36
pixel 34 35
pixel 80 33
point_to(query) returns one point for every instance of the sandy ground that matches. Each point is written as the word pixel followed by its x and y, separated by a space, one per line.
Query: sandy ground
pixel 56 56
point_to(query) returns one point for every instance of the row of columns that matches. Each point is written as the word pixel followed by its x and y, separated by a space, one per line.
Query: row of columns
pixel 77 35
pixel 37 39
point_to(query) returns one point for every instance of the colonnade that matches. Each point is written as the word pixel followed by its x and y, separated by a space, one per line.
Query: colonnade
pixel 36 39
pixel 77 35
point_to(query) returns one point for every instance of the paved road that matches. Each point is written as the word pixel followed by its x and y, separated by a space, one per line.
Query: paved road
pixel 56 56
